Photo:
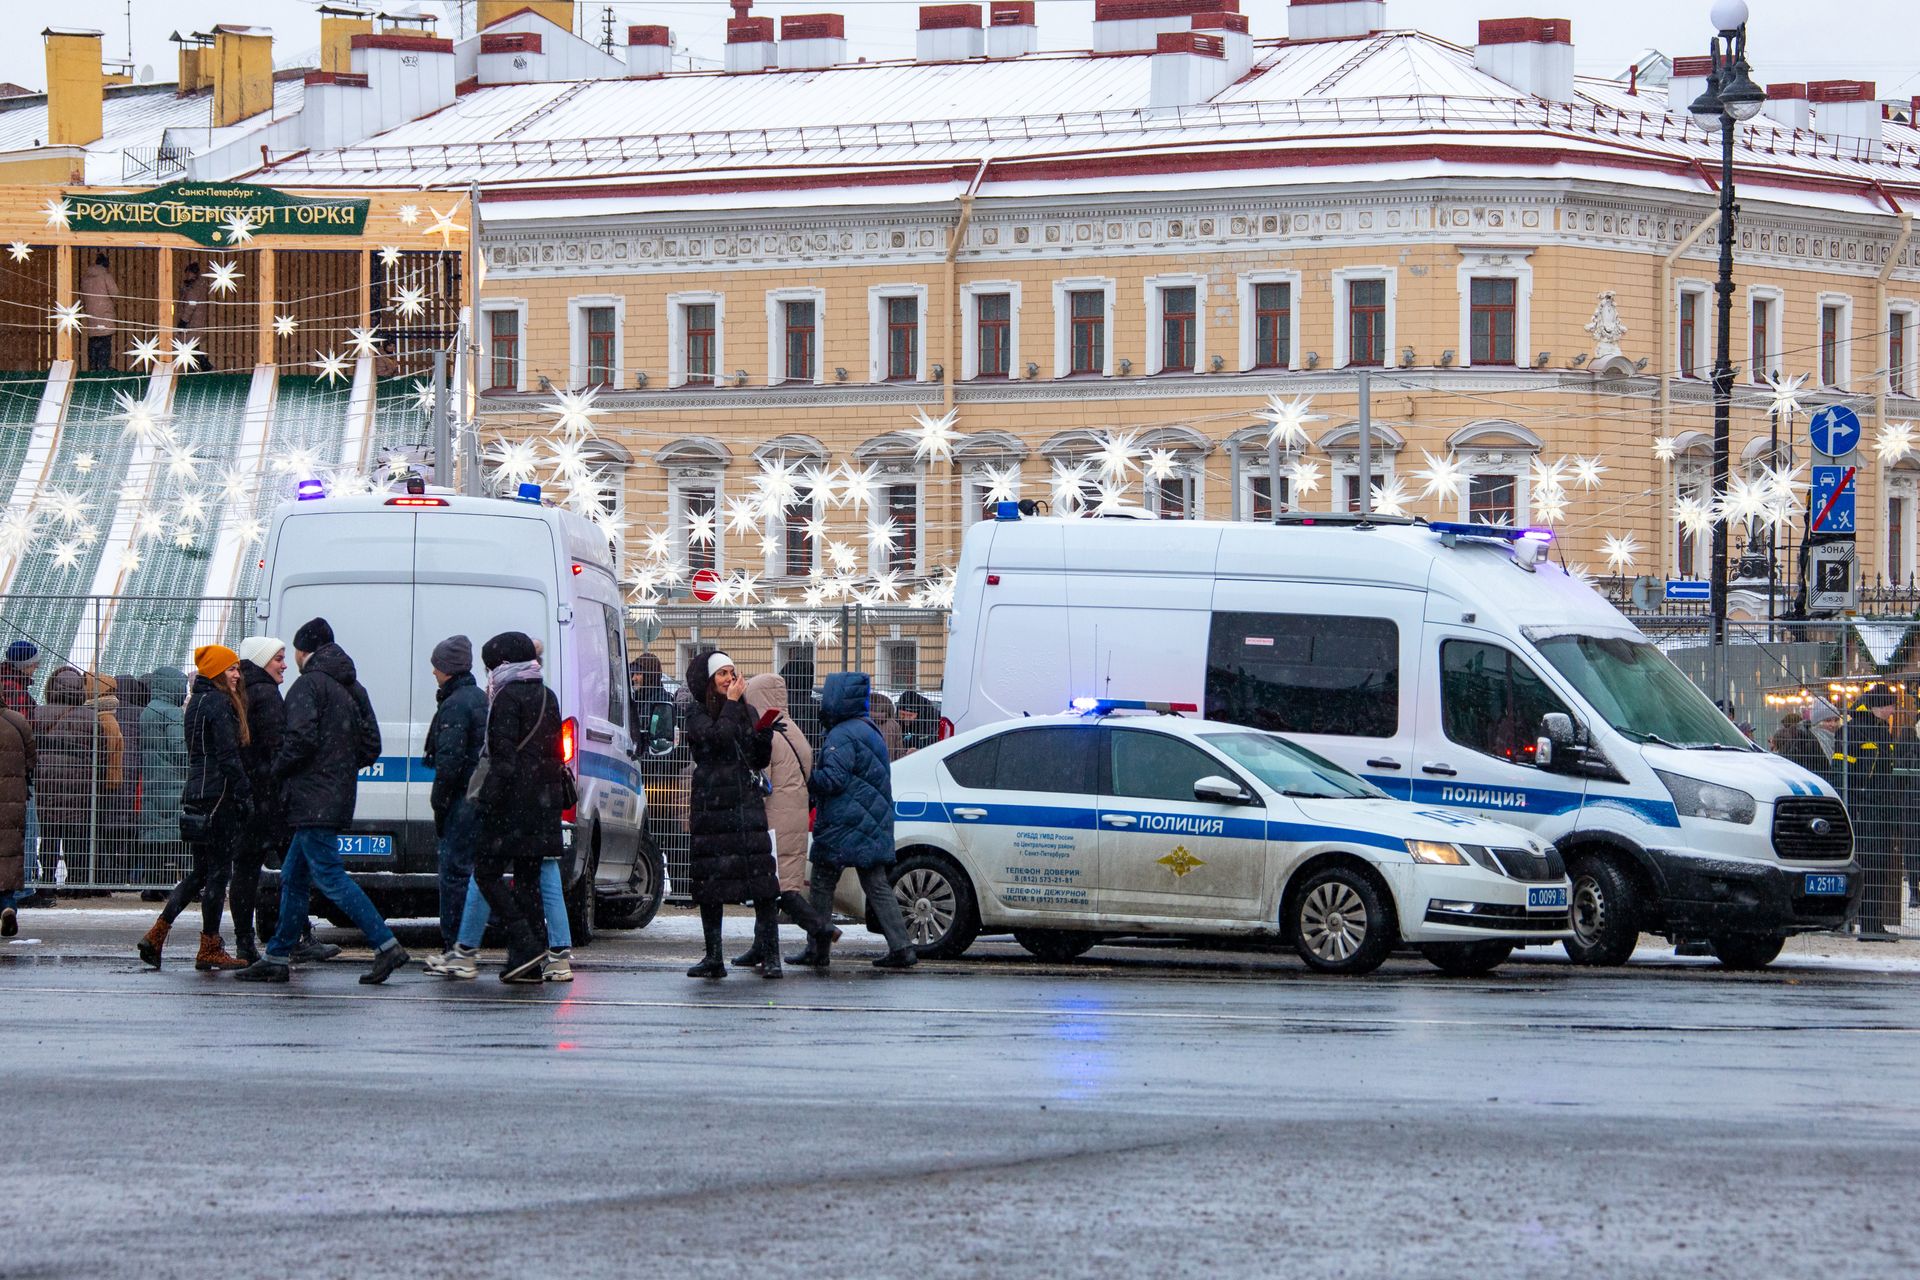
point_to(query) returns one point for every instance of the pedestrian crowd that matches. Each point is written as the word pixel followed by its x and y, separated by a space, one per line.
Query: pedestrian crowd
pixel 241 773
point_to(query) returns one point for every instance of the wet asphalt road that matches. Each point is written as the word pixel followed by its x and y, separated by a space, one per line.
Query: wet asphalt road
pixel 1141 1112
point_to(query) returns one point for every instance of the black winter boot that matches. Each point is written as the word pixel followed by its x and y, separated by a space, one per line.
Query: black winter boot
pixel 750 958
pixel 713 965
pixel 244 945
pixel 525 954
pixel 766 937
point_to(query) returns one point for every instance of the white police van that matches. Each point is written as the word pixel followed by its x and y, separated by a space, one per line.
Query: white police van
pixel 1071 828
pixel 396 573
pixel 1448 665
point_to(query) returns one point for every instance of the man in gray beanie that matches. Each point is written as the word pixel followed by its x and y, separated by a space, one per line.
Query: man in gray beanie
pixel 454 740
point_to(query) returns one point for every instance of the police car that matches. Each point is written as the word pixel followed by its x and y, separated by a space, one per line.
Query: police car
pixel 1130 818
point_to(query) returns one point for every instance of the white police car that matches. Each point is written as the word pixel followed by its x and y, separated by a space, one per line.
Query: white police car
pixel 1071 828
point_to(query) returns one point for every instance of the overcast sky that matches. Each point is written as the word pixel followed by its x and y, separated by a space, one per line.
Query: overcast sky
pixel 1792 39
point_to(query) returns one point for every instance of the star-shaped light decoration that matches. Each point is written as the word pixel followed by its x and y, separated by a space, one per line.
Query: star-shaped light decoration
pixel 138 417
pixel 409 302
pixel 1287 421
pixel 1306 475
pixel 67 317
pixel 1665 448
pixel 821 482
pixel 883 536
pixel 182 464
pixel 364 342
pixel 297 461
pixel 743 515
pixel 1444 476
pixel 192 508
pixel 1000 484
pixel 775 481
pixel 1619 551
pixel 744 620
pixel 183 536
pixel 857 487
pixel 283 326
pixel 826 633
pixel 84 463
pixel 331 364
pixel 444 226
pixel 20 250
pixel 1550 476
pixel 149 524
pixel 568 458
pixel 1587 473
pixel 1743 500
pixel 423 397
pixel 1549 505
pixel 940 590
pixel 1694 515
pixel 236 486
pixel 69 508
pixel 250 531
pixel 223 277
pixel 1118 455
pixel 1894 442
pixel 1391 498
pixel 409 214
pixel 515 462
pixel 815 528
pixel 842 556
pixel 145 353
pixel 700 528
pixel 769 545
pixel 58 213
pixel 574 411
pixel 1783 485
pixel 66 555
pixel 238 228
pixel 130 560
pixel 1161 464
pixel 656 544
pixel 1112 498
pixel 389 255
pixel 934 438
pixel 185 353
pixel 1785 394
pixel 1066 483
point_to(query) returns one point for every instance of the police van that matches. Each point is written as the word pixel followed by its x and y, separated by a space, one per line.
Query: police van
pixel 396 573
pixel 1451 665
pixel 1130 819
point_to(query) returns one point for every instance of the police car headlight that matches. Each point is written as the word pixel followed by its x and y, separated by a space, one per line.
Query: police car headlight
pixel 1693 798
pixel 1436 853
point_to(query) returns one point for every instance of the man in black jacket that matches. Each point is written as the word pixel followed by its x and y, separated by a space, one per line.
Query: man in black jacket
pixel 1863 765
pixel 331 735
pixel 454 739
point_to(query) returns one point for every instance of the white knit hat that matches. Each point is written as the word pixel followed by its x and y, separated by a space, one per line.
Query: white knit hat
pixel 259 650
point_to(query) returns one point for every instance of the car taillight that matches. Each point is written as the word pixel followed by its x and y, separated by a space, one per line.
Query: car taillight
pixel 568 729
pixel 946 729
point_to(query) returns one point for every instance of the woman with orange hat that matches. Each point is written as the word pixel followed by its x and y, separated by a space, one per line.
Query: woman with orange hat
pixel 214 805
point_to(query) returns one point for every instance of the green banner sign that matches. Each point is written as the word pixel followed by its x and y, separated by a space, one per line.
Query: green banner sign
pixel 211 213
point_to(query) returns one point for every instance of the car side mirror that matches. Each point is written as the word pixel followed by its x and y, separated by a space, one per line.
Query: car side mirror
pixel 1556 741
pixel 1214 789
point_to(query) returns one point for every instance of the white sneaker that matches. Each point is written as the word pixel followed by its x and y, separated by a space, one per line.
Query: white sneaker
pixel 461 962
pixel 437 964
pixel 558 967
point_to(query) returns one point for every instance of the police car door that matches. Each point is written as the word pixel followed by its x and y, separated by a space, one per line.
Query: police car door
pixel 1163 853
pixel 1022 806
pixel 1479 729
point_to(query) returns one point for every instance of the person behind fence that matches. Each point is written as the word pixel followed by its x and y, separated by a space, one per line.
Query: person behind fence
pixel 215 801
pixel 1906 771
pixel 331 735
pixel 884 719
pixel 1797 741
pixel 1863 768
pixel 789 814
pixel 100 303
pixel 80 750
pixel 852 787
pixel 17 670
pixel 16 797
pixel 163 758
pixel 730 853
pixel 263 665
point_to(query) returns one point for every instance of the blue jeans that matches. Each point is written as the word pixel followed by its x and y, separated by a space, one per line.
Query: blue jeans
pixel 313 862
pixel 458 837
pixel 15 897
pixel 473 921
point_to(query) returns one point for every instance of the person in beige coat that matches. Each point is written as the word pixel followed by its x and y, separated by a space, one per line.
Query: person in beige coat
pixel 788 810
pixel 99 302
pixel 16 792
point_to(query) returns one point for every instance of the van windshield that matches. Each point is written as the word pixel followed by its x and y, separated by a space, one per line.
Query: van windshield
pixel 1290 770
pixel 1639 691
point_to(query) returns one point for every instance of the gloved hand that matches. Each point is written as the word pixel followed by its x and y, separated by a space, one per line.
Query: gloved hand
pixel 770 718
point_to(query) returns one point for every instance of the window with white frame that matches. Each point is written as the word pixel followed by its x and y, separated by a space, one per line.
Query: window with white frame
pixel 1492 497
pixel 503 328
pixel 1836 339
pixel 899 512
pixel 1083 327
pixel 1901 317
pixel 1496 307
pixel 990 337
pixel 1364 316
pixel 1343 453
pixel 1690 330
pixel 1689 482
pixel 976 483
pixel 1263 495
pixel 1903 489
pixel 595 328
pixel 1176 328
pixel 693 506
pixel 797 534
pixel 897 351
pixel 1269 319
pixel 795 320
pixel 695 355
pixel 896 664
pixel 1764 351
pixel 1175 496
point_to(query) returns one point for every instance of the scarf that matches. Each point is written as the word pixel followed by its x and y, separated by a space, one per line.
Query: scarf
pixel 510 673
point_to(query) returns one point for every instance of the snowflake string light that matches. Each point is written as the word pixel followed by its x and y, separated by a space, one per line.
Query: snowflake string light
pixel 1619 551
pixel 822 482
pixel 1000 484
pixel 223 278
pixel 1694 515
pixel 364 342
pixel 700 528
pixel 1391 498
pixel 84 463
pixel 1287 421
pixel 238 228
pixel 1161 464
pixel 1894 442
pixel 843 557
pixel 58 213
pixel 1665 448
pixel 67 317
pixel 857 487
pixel 409 303
pixel 884 536
pixel 514 461
pixel 1118 455
pixel 332 365
pixel 66 506
pixel 934 439
pixel 409 214
pixel 145 353
pixel 20 250
pixel 389 255
pixel 743 515
pixel 185 353
pixel 1444 476
pixel 1785 394
pixel 66 555
pixel 1587 473
pixel 1306 475
pixel 284 325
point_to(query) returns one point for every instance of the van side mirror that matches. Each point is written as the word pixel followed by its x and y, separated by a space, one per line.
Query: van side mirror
pixel 1556 741
pixel 1214 789
pixel 659 722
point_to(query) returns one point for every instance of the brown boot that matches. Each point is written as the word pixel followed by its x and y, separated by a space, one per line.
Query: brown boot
pixel 150 945
pixel 213 955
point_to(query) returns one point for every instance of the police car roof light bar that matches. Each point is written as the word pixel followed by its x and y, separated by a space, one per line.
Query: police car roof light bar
pixel 309 489
pixel 1107 706
pixel 529 492
pixel 1499 533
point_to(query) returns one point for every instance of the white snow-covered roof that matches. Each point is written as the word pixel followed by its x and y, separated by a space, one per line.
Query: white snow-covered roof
pixel 140 119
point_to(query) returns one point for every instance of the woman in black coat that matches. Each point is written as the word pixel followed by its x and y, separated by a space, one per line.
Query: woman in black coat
pixel 215 804
pixel 521 798
pixel 730 853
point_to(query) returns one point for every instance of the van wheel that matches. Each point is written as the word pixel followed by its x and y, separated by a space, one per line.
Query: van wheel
pixel 646 889
pixel 1056 946
pixel 937 903
pixel 1340 923
pixel 1606 912
pixel 1746 950
pixel 1466 959
pixel 581 899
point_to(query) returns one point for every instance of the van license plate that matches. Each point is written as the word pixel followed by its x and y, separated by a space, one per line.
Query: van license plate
pixel 1546 898
pixel 1820 884
pixel 357 846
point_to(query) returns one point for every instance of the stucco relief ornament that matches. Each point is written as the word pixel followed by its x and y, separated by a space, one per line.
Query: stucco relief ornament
pixel 1606 328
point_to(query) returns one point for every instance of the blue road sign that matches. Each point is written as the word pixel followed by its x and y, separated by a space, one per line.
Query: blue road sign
pixel 1688 589
pixel 1830 508
pixel 1834 430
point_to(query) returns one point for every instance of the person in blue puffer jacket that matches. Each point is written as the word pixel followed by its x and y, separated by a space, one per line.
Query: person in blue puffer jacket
pixel 852 791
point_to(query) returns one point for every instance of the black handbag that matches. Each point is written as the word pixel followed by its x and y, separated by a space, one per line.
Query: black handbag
pixel 197 828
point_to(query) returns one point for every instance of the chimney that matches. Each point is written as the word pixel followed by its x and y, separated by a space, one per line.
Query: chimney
pixel 1334 19
pixel 950 32
pixel 339 24
pixel 1534 55
pixel 649 51
pixel 1787 106
pixel 1234 37
pixel 76 87
pixel 809 41
pixel 242 73
pixel 511 57
pixel 558 12
pixel 1688 81
pixel 196 63
pixel 408 75
pixel 1011 31
pixel 1127 26
pixel 750 44
pixel 1845 108
pixel 1189 67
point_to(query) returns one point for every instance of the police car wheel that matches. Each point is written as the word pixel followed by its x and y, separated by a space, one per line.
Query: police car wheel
pixel 1056 946
pixel 1466 959
pixel 1340 923
pixel 1746 950
pixel 937 903
pixel 1605 912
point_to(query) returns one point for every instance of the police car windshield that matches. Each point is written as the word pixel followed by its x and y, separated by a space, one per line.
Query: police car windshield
pixel 1290 770
pixel 1639 691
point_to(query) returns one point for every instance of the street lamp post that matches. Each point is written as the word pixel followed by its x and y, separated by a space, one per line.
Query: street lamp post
pixel 1731 96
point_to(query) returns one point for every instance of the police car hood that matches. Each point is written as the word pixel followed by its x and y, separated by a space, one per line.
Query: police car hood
pixel 1386 823
pixel 1761 774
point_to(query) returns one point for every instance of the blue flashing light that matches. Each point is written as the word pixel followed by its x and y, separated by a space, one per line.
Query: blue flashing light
pixel 309 489
pixel 1494 532
pixel 1103 706
pixel 529 492
pixel 1006 511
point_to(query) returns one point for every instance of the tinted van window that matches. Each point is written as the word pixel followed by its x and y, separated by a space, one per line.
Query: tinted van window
pixel 1302 673
pixel 1491 701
